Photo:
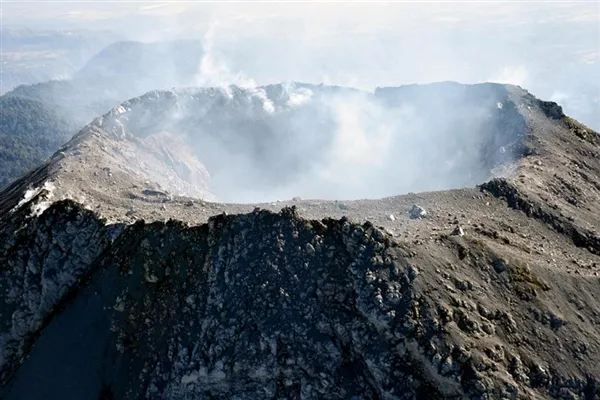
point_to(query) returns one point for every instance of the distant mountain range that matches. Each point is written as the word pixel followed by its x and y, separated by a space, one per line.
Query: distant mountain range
pixel 159 64
pixel 121 71
pixel 32 56
pixel 53 110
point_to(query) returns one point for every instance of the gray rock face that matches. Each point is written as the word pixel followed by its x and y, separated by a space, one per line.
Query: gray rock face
pixel 43 258
pixel 417 212
pixel 458 231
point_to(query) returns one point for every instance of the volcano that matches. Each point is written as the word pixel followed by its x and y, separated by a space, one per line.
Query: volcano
pixel 307 241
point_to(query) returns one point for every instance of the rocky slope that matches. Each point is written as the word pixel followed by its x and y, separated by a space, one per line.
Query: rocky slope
pixel 114 288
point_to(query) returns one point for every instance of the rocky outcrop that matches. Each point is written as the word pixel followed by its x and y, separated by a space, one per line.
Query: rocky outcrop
pixel 42 259
pixel 259 305
pixel 518 200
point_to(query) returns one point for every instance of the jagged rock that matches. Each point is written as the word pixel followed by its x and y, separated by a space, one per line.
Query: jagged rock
pixel 391 217
pixel 152 192
pixel 138 322
pixel 417 212
pixel 500 265
pixel 342 206
pixel 43 259
pixel 458 231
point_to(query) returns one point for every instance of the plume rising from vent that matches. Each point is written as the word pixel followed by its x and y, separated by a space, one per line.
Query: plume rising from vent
pixel 289 140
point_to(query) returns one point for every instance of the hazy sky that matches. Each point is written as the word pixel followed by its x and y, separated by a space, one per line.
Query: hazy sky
pixel 550 48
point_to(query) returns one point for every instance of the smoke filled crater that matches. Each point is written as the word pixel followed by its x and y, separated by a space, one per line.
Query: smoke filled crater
pixel 323 142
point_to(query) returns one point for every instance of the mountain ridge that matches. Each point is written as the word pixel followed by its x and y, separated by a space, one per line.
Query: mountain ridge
pixel 493 293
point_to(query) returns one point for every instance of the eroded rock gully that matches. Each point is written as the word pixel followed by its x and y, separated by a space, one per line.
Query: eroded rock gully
pixel 510 193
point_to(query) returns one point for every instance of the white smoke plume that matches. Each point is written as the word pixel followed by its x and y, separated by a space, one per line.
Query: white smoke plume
pixel 214 72
pixel 512 75
pixel 319 142
pixel 323 142
pixel 262 143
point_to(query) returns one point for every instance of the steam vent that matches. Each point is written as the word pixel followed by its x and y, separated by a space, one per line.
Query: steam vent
pixel 300 241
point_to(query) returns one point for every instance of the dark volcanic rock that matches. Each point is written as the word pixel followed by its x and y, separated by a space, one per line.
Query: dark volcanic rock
pixel 236 307
pixel 233 307
pixel 42 259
